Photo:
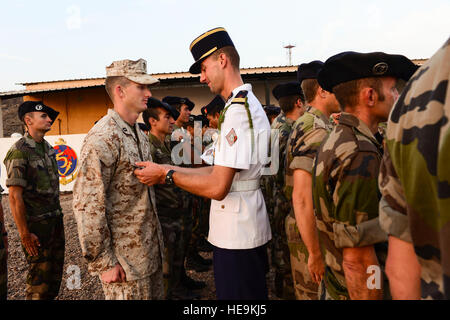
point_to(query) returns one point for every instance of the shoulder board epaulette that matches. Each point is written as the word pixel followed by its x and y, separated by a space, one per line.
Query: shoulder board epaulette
pixel 240 98
pixel 242 94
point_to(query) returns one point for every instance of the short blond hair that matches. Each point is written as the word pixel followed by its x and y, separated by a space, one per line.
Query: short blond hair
pixel 111 82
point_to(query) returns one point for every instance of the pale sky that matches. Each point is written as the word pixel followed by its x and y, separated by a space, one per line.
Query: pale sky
pixel 52 40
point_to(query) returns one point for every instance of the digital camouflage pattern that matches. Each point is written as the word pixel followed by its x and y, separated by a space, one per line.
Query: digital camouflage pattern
pixel 172 204
pixel 148 288
pixel 3 259
pixel 308 132
pixel 33 167
pixel 415 172
pixel 346 197
pixel 115 213
pixel 280 258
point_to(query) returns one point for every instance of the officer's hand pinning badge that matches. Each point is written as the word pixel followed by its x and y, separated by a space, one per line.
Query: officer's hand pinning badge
pixel 231 137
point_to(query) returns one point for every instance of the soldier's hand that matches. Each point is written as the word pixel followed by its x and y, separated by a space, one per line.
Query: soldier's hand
pixel 316 267
pixel 116 274
pixel 151 173
pixel 31 243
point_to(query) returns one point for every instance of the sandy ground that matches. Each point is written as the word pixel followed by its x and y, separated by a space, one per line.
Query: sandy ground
pixel 90 287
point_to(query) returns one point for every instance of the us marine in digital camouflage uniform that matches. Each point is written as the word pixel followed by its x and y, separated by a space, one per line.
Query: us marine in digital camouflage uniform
pixel 3 254
pixel 33 183
pixel 415 184
pixel 290 97
pixel 307 134
pixel 345 188
pixel 118 226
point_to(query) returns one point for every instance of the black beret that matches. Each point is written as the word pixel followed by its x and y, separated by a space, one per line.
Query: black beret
pixel 177 100
pixel 272 110
pixel 216 105
pixel 348 66
pixel 206 44
pixel 309 70
pixel 287 89
pixel 143 126
pixel 155 103
pixel 33 106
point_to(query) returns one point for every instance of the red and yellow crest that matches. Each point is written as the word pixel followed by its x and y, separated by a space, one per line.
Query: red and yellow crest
pixel 67 162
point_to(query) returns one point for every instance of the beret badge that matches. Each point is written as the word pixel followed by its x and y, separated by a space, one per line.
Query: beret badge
pixel 380 68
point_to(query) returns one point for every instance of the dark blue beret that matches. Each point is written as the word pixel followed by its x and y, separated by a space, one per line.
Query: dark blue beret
pixel 155 103
pixel 206 44
pixel 178 100
pixel 349 65
pixel 272 110
pixel 287 89
pixel 309 70
pixel 216 105
pixel 39 106
pixel 143 126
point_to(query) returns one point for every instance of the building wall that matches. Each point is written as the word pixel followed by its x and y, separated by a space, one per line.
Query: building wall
pixel 81 108
pixel 78 109
pixel 9 117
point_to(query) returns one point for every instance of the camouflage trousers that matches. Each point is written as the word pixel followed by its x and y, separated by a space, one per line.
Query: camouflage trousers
pixel 3 271
pixel 280 255
pixel 149 288
pixel 45 270
pixel 174 250
pixel 305 287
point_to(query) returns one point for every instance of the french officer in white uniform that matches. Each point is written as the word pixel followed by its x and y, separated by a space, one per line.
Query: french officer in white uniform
pixel 239 224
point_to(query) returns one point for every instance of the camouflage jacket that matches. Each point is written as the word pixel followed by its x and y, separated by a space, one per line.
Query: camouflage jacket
pixel 307 134
pixel 115 213
pixel 33 167
pixel 284 126
pixel 415 173
pixel 346 196
pixel 169 198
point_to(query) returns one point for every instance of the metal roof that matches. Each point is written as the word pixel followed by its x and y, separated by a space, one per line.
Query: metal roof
pixel 20 93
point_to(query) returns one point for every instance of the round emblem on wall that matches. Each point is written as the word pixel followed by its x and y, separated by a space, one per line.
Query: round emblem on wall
pixel 67 161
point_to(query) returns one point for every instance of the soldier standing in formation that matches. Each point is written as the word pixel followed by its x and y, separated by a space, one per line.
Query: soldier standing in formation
pixel 307 134
pixel 414 181
pixel 171 202
pixel 291 100
pixel 346 169
pixel 33 183
pixel 118 227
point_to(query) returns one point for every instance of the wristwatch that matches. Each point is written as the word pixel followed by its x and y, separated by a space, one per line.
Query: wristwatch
pixel 169 179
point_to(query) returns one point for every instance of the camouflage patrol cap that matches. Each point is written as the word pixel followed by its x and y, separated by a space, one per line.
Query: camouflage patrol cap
pixel 135 71
pixel 349 65
pixel 37 106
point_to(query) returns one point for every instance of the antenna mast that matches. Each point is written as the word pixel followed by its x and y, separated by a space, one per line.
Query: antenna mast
pixel 289 53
